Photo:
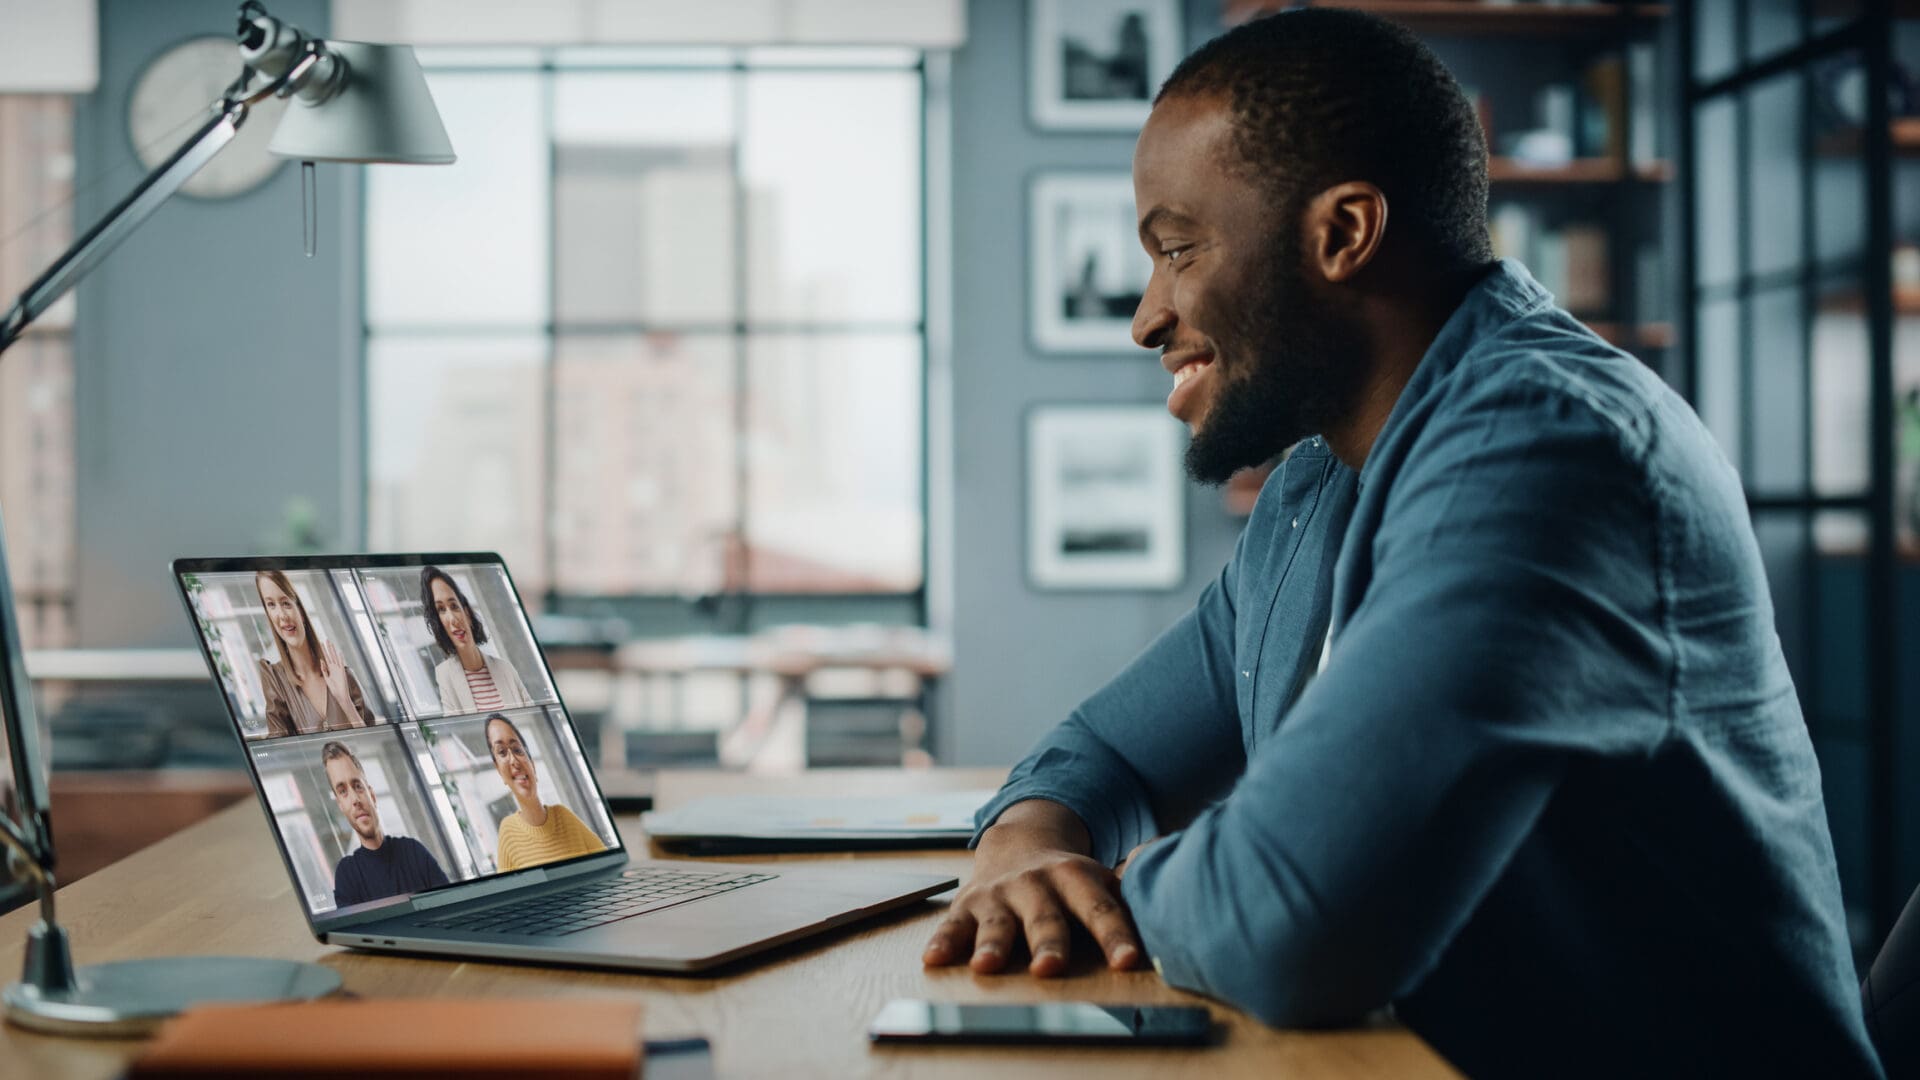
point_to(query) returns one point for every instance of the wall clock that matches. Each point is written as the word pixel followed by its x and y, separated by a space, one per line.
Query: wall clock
pixel 174 94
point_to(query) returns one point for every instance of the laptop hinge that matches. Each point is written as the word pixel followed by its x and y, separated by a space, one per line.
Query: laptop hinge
pixel 443 897
pixel 436 899
pixel 474 891
pixel 587 866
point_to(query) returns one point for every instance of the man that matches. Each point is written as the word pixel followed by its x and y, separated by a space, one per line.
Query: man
pixel 382 865
pixel 1549 796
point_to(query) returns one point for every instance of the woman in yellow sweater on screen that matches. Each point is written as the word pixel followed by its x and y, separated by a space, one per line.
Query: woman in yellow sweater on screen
pixel 535 833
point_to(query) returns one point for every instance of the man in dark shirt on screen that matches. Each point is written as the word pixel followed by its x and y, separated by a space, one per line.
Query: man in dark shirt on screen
pixel 382 865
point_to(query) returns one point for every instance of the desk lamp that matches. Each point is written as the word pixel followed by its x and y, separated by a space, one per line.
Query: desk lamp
pixel 350 102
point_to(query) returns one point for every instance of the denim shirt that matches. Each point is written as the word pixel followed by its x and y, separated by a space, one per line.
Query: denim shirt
pixel 1552 798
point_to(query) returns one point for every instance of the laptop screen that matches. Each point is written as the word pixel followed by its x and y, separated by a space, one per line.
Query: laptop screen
pixel 400 721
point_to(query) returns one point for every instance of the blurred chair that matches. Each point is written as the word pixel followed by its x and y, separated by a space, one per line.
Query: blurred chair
pixel 1891 996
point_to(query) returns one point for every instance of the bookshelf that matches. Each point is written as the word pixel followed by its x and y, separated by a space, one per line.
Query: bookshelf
pixel 1906 136
pixel 1906 302
pixel 1471 18
pixel 1904 132
pixel 1594 170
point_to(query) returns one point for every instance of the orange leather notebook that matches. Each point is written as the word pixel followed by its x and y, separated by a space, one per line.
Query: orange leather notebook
pixel 561 1039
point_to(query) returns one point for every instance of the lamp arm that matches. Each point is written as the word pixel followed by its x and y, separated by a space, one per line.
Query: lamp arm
pixel 120 222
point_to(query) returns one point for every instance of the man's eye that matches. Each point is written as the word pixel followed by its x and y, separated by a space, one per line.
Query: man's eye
pixel 1174 255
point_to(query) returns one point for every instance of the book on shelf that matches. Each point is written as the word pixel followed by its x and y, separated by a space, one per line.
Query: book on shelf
pixel 1643 111
pixel 1572 261
pixel 1603 109
pixel 1610 113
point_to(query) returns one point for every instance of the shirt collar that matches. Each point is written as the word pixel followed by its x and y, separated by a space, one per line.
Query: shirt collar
pixel 1506 293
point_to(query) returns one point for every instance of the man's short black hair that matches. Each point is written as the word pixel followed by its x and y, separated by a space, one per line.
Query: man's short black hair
pixel 1324 96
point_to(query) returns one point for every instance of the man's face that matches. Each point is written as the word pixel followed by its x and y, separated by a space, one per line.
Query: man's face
pixel 1258 364
pixel 355 799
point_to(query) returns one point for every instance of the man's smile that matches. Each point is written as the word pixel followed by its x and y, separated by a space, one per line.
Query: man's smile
pixel 1189 371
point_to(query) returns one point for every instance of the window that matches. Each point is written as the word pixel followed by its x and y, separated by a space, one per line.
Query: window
pixel 36 374
pixel 659 334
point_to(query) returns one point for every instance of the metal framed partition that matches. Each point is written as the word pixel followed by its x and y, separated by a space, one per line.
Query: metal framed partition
pixel 1787 173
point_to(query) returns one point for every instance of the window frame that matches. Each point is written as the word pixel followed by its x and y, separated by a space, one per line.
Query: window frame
pixel 736 608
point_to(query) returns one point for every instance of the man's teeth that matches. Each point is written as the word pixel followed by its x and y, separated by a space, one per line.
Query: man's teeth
pixel 1187 372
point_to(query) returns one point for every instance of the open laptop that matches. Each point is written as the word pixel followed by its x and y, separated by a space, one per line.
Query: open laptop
pixel 428 791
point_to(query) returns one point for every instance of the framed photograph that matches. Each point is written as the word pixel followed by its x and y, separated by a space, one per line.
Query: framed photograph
pixel 1096 64
pixel 1086 269
pixel 1106 507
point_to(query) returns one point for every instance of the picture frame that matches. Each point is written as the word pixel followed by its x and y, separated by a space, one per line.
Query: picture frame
pixel 1094 65
pixel 1106 503
pixel 1086 270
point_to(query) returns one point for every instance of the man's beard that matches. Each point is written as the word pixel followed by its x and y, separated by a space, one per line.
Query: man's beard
pixel 1287 371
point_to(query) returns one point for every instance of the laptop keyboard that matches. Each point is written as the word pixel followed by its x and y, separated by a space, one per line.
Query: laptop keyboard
pixel 635 892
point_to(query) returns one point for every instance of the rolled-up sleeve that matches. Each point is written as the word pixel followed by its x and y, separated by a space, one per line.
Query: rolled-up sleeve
pixel 1509 627
pixel 1150 748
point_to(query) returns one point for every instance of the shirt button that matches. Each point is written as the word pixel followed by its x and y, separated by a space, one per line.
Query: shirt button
pixel 1296 523
pixel 1246 674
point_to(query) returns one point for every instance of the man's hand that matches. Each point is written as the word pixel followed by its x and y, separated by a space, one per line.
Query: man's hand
pixel 1032 880
pixel 1127 863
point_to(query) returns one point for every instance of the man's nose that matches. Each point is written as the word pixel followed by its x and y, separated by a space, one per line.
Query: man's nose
pixel 1152 320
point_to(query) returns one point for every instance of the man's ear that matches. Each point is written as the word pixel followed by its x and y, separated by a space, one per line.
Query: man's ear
pixel 1344 227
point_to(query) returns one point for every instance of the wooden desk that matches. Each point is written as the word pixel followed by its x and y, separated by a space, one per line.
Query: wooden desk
pixel 219 887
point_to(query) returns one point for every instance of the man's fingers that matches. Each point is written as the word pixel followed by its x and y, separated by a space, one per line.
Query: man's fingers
pixel 994 937
pixel 1049 931
pixel 1096 903
pixel 952 940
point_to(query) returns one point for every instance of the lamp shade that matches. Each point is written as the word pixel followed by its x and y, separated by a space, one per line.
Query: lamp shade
pixel 382 113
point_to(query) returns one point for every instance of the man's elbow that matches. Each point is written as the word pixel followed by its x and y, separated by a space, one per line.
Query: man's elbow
pixel 1285 986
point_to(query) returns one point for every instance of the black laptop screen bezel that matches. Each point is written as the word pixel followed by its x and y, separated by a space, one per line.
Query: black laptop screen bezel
pixel 500 880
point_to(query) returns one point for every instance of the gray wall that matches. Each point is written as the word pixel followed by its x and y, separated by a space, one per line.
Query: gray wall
pixel 1025 658
pixel 218 372
pixel 211 384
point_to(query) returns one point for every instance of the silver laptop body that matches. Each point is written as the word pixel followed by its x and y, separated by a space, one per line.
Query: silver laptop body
pixel 402 755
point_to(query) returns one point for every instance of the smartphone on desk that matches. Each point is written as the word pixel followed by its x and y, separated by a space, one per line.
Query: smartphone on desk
pixel 1077 1023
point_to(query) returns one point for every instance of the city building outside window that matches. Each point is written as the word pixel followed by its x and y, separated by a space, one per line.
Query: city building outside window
pixel 36 374
pixel 659 335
